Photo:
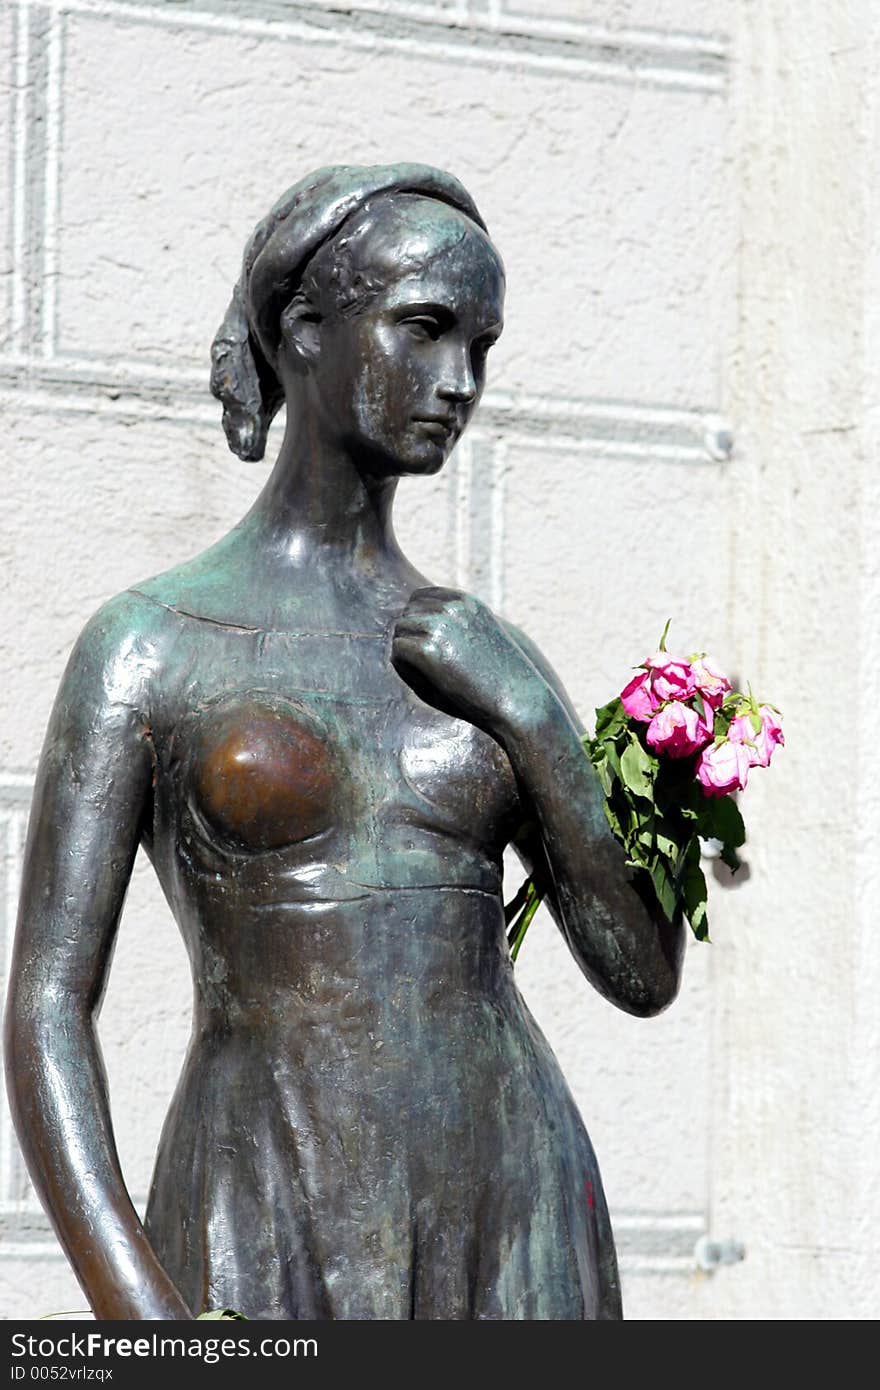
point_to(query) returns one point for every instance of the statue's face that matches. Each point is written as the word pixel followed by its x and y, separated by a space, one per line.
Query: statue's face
pixel 398 378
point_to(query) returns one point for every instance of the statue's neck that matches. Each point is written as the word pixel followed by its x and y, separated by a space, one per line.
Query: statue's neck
pixel 318 508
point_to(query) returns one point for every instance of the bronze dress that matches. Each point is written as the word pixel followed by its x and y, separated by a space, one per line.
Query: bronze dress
pixel 369 1123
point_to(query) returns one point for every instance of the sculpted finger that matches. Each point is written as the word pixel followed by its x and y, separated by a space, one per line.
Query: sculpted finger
pixel 436 592
pixel 425 608
pixel 413 647
pixel 408 626
pixel 412 654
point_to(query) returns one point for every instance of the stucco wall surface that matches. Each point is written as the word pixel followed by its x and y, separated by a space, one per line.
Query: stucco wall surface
pixel 677 423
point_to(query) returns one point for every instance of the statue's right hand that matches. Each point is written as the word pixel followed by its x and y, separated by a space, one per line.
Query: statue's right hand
pixel 458 645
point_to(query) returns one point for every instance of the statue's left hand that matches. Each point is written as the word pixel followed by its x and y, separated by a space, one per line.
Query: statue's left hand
pixel 467 656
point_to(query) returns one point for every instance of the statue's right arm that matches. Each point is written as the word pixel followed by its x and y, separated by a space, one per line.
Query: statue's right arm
pixel 93 784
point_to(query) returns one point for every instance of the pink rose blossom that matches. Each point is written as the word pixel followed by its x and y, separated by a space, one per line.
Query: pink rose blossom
pixel 742 732
pixel 677 730
pixel 671 677
pixel 712 684
pixel 723 768
pixel 638 699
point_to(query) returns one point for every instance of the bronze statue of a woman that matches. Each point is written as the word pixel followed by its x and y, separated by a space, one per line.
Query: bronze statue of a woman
pixel 325 757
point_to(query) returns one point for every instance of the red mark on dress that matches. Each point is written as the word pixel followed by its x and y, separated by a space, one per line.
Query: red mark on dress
pixel 588 1188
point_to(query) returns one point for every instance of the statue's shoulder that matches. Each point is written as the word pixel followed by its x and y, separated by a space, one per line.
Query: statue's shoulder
pixel 121 625
pixel 119 652
pixel 212 585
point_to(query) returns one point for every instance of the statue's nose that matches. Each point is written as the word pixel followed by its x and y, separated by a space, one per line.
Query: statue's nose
pixel 457 381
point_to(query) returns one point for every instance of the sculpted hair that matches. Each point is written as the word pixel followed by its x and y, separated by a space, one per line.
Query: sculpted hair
pixel 277 257
pixel 244 383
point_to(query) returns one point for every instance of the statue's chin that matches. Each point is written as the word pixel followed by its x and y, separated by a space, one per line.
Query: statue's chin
pixel 423 466
pixel 426 458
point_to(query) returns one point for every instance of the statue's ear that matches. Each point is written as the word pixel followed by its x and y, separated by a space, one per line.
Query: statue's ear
pixel 301 331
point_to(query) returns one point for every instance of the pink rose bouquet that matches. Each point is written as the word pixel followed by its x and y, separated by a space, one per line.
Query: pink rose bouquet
pixel 670 752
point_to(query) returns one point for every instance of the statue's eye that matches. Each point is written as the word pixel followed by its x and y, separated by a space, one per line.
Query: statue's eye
pixel 423 327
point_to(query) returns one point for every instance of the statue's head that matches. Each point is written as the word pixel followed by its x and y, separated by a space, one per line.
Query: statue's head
pixel 369 297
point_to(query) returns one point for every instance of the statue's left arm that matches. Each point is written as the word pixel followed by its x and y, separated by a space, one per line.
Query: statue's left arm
pixel 491 673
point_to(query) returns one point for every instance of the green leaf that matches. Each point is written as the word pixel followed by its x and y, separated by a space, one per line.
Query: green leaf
pixel 221 1315
pixel 756 722
pixel 637 770
pixel 662 647
pixel 695 894
pixel 699 706
pixel 663 887
pixel 604 773
pixel 699 921
pixel 610 718
pixel 613 820
pixel 613 758
pixel 645 835
pixel 724 821
pixel 730 857
pixel 667 845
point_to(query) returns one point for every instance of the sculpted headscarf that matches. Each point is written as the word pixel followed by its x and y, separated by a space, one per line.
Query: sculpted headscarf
pixel 243 353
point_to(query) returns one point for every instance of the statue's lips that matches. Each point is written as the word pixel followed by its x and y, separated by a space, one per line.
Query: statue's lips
pixel 437 426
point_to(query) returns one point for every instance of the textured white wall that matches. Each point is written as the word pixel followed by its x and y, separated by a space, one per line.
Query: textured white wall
pixel 798 1118
pixel 678 188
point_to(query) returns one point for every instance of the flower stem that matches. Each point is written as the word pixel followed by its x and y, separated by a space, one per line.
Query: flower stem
pixel 517 932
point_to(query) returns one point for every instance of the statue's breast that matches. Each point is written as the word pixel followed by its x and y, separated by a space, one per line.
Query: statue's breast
pixel 257 771
pixel 460 771
pixel 262 772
